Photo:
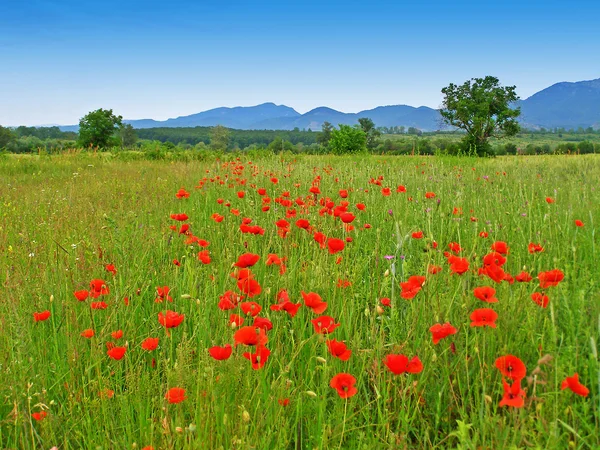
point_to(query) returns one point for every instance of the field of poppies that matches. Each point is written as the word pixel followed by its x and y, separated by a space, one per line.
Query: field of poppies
pixel 299 302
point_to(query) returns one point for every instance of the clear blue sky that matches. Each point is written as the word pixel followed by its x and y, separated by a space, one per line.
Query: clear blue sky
pixel 60 59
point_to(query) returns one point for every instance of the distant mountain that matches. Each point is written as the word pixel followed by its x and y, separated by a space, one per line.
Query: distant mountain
pixel 566 105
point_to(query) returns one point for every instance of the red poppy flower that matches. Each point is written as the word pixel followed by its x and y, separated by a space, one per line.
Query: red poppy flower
pixel 324 324
pixel 39 415
pixel 399 364
pixel 535 248
pixel 458 265
pixel 513 395
pixel 485 294
pixel 176 262
pixel 117 334
pixel 262 322
pixel 259 357
pixel 235 320
pixel 217 217
pixel 579 223
pixel 249 286
pixel 494 258
pixel 483 234
pixel 434 269
pixel 150 344
pixel 417 235
pixel 361 206
pixel 170 319
pixel 439 331
pixel 512 367
pixel 98 288
pixel 386 302
pixel 313 301
pixel 484 317
pixel 180 217
pixel 98 305
pixel 204 256
pixel 335 245
pixel 338 349
pixel 182 193
pixel 116 353
pixel 247 260
pixel 81 295
pixel 523 277
pixel 540 299
pixel 494 272
pixel 454 247
pixel 500 247
pixel 175 395
pixel 343 193
pixel 347 217
pixel 111 268
pixel 250 336
pixel 401 188
pixel 429 195
pixel 575 386
pixel 344 384
pixel 251 308
pixel 412 286
pixel 283 401
pixel 163 294
pixel 386 191
pixel 41 316
pixel 550 200
pixel 550 278
pixel 89 333
pixel 302 223
pixel 221 353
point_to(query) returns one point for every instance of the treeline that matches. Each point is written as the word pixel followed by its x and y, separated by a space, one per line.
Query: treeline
pixel 238 139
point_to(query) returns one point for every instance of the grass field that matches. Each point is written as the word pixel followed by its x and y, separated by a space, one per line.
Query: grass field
pixel 66 383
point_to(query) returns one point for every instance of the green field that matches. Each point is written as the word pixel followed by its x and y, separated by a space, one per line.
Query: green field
pixel 65 218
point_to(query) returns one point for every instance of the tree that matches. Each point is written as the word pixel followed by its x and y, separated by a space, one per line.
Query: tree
pixel 325 135
pixel 5 136
pixel 372 133
pixel 98 128
pixel 482 108
pixel 347 139
pixel 219 138
pixel 128 135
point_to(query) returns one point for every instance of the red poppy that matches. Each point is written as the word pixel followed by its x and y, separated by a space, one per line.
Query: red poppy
pixel 41 316
pixel 247 260
pixel 163 294
pixel 439 331
pixel 500 247
pixel 550 200
pixel 386 191
pixel 513 395
pixel 512 367
pixel 335 245
pixel 249 286
pixel 361 206
pixel 217 217
pixel 180 217
pixel 458 265
pixel 535 248
pixel 324 324
pixel 251 308
pixel 259 357
pixel 484 317
pixel 117 334
pixel 111 268
pixel 39 415
pixel 98 305
pixel 150 344
pixel 399 364
pixel 523 277
pixel 313 301
pixel 550 278
pixel 494 258
pixel 412 286
pixel 483 234
pixel 89 333
pixel 302 223
pixel 575 386
pixel 250 336
pixel 434 269
pixel 283 401
pixel 347 217
pixel 235 320
pixel 344 384
pixel 343 193
pixel 175 395
pixel 386 302
pixel 485 294
pixel 221 353
pixel 204 256
pixel 170 319
pixel 97 288
pixel 579 223
pixel 81 295
pixel 454 247
pixel 494 272
pixel 429 194
pixel 116 353
pixel 417 235
pixel 262 322
pixel 176 262
pixel 338 349
pixel 540 299
pixel 401 188
pixel 182 193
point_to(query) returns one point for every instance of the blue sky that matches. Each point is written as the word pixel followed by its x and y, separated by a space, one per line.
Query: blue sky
pixel 60 59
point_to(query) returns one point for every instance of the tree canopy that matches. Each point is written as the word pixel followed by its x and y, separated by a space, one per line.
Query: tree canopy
pixel 481 107
pixel 98 128
pixel 347 139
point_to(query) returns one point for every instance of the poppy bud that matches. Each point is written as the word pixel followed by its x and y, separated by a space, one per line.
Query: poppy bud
pixel 379 310
pixel 246 416
pixel 311 394
pixel 186 296
pixel 321 360
pixel 179 429
pixel 386 273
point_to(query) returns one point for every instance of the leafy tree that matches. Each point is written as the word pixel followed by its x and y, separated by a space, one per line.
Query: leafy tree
pixel 372 133
pixel 98 128
pixel 482 108
pixel 5 136
pixel 325 136
pixel 347 139
pixel 219 138
pixel 128 135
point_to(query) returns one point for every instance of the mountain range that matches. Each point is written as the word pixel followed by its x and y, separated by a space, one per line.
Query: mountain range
pixel 567 105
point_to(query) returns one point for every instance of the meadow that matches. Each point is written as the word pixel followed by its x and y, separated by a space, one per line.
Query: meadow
pixel 299 302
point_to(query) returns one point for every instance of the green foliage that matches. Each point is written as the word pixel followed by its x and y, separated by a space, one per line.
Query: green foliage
pixel 98 129
pixel 128 135
pixel 481 107
pixel 5 136
pixel 372 133
pixel 325 135
pixel 219 138
pixel 347 140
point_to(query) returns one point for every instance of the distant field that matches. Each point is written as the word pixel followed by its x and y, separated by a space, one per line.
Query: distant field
pixel 88 245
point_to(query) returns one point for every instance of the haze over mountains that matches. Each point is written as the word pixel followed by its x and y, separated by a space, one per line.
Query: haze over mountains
pixel 567 105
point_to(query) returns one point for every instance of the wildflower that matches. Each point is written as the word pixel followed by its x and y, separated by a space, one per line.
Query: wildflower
pixel 574 385
pixel 512 367
pixel 484 317
pixel 150 344
pixel 170 319
pixel 89 333
pixel 485 294
pixel 221 353
pixel 399 364
pixel 439 331
pixel 513 395
pixel 338 349
pixel 116 353
pixel 313 301
pixel 81 295
pixel 550 278
pixel 247 260
pixel 175 395
pixel 335 245
pixel 41 316
pixel 540 299
pixel 324 324
pixel 259 357
pixel 344 384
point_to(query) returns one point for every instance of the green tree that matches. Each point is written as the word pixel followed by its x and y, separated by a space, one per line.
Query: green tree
pixel 98 128
pixel 325 135
pixel 347 139
pixel 128 135
pixel 219 138
pixel 482 108
pixel 372 133
pixel 5 136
